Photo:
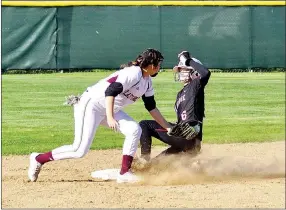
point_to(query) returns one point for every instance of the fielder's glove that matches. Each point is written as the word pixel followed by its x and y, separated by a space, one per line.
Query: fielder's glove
pixel 72 100
pixel 184 130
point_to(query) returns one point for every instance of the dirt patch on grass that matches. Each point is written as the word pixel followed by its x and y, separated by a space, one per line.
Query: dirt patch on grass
pixel 222 176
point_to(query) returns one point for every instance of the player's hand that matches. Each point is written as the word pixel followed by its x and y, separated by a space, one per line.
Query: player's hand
pixel 113 124
pixel 168 130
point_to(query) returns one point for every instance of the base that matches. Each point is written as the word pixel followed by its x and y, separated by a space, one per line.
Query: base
pixel 107 174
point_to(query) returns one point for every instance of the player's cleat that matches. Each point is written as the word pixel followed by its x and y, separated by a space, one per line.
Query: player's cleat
pixel 34 168
pixel 144 158
pixel 128 177
pixel 141 163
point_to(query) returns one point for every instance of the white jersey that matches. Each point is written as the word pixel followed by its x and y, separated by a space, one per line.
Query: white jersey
pixel 134 86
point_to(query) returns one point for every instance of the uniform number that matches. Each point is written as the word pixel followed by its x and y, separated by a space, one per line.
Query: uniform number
pixel 184 115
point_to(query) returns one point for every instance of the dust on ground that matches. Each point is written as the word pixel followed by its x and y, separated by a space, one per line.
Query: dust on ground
pixel 247 175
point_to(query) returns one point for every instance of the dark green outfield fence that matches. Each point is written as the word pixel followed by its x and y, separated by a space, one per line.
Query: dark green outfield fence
pixel 106 36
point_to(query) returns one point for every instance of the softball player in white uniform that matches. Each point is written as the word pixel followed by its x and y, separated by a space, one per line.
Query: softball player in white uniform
pixel 101 104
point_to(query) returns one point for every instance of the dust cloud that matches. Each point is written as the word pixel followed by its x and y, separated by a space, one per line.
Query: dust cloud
pixel 183 169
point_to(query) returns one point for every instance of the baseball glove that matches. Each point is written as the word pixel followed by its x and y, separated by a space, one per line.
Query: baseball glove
pixel 72 100
pixel 184 130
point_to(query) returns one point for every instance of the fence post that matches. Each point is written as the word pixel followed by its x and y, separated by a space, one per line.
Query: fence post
pixel 160 28
pixel 57 38
pixel 251 25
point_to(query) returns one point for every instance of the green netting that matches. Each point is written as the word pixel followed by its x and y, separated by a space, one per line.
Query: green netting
pixel 105 37
pixel 28 38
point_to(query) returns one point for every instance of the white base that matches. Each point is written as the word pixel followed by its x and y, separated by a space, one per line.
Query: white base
pixel 107 174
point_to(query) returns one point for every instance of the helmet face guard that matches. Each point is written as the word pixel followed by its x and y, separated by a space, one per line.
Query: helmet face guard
pixel 184 73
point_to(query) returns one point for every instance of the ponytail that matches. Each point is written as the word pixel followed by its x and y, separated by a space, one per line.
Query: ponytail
pixel 130 63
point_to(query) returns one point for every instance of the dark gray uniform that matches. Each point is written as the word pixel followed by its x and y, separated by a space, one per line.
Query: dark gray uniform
pixel 189 107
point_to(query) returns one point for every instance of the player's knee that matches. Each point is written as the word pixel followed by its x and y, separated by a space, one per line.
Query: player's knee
pixel 134 130
pixel 79 153
pixel 75 147
pixel 143 124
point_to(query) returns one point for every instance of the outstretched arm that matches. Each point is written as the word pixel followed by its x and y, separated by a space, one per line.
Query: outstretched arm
pixel 150 105
pixel 156 114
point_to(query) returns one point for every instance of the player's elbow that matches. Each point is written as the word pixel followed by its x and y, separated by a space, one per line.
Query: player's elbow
pixel 80 153
pixel 150 108
pixel 149 102
pixel 205 78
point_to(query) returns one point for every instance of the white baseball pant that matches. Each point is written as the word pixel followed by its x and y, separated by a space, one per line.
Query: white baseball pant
pixel 88 116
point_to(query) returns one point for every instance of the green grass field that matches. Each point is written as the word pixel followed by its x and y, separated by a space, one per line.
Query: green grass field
pixel 240 107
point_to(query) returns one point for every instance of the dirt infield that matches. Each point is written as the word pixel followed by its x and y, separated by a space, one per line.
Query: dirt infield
pixel 229 175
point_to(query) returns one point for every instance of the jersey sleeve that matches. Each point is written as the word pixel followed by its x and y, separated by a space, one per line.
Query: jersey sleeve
pixel 202 70
pixel 150 89
pixel 128 77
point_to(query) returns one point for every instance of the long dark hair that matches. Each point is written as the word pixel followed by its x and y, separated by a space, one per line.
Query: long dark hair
pixel 146 58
